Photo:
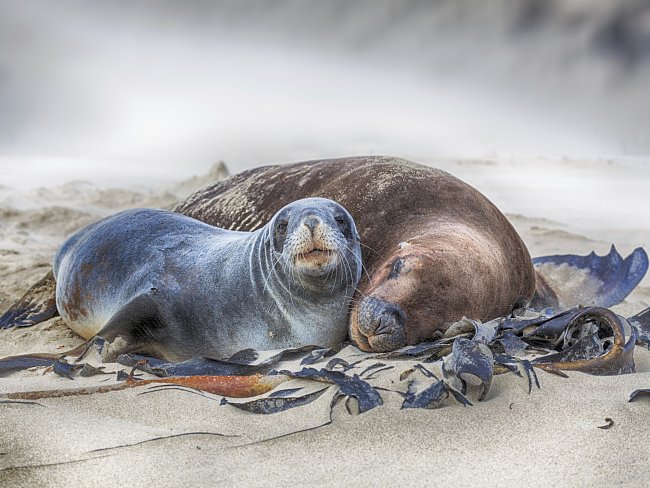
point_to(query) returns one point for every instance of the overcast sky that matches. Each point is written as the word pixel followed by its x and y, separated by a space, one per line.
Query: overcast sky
pixel 179 85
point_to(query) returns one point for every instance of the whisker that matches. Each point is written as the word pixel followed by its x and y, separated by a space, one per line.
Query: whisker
pixel 370 248
pixel 266 280
pixel 363 266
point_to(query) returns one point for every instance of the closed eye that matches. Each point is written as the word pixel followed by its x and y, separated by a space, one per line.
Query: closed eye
pixel 397 269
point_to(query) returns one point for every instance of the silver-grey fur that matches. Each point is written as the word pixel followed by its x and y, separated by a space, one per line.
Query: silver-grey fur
pixel 160 283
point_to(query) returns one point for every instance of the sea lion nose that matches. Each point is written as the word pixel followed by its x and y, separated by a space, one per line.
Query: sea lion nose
pixel 311 223
pixel 383 323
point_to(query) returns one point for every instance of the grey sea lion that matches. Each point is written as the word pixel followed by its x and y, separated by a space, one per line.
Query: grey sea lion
pixel 435 248
pixel 164 284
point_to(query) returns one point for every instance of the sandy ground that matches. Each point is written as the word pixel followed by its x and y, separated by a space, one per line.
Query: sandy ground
pixel 548 438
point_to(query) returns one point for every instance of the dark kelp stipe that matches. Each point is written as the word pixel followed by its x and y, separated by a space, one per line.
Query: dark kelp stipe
pixel 592 340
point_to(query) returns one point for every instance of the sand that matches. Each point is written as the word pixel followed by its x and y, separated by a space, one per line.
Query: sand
pixel 547 438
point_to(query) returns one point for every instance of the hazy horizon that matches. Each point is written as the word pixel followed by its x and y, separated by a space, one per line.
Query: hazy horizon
pixel 168 88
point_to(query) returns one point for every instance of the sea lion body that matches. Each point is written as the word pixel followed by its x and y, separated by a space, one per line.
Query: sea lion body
pixel 171 286
pixel 435 249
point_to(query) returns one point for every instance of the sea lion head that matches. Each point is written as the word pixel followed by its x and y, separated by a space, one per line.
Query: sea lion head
pixel 316 242
pixel 399 305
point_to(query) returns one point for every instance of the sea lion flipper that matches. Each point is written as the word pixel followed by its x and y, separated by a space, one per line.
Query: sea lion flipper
pixel 133 326
pixel 593 280
pixel 37 305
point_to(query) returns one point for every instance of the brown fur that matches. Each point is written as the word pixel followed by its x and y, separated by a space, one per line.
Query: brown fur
pixel 459 255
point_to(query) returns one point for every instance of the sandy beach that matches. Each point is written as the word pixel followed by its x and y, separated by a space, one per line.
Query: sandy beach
pixel 550 437
pixel 542 105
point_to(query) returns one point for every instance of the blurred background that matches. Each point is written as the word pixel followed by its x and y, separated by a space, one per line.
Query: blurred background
pixel 122 91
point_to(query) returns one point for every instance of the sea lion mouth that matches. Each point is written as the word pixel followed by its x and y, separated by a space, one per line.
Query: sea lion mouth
pixel 318 253
pixel 315 254
pixel 317 260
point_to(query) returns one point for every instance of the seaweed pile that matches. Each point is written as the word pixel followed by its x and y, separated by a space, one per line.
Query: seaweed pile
pixel 461 364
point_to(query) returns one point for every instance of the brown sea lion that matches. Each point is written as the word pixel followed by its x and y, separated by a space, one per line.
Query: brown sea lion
pixel 435 249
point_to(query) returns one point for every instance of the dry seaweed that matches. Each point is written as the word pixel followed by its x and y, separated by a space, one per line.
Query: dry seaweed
pixel 88 370
pixel 641 392
pixel 616 355
pixel 593 340
pixel 19 402
pixel 334 362
pixel 640 323
pixel 284 393
pixel 12 364
pixel 516 366
pixel 65 369
pixel 162 437
pixel 429 397
pixel 471 362
pixel 371 367
pixel 232 386
pixel 313 357
pixel 275 404
pixel 350 386
pixel 609 424
pixel 512 345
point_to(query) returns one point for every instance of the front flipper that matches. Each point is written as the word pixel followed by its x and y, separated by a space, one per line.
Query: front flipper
pixel 135 328
pixel 591 280
pixel 38 304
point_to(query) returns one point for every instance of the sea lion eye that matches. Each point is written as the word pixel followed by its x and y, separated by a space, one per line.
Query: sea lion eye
pixel 280 234
pixel 396 269
pixel 344 225
pixel 282 227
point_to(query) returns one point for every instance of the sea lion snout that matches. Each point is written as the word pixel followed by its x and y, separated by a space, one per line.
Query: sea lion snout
pixel 315 244
pixel 382 323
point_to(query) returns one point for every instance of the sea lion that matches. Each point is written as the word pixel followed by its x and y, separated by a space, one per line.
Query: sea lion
pixel 164 284
pixel 435 249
